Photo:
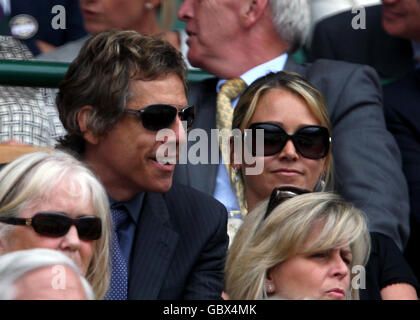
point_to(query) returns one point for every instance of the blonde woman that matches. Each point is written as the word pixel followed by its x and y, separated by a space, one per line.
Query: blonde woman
pixel 297 152
pixel 51 200
pixel 301 248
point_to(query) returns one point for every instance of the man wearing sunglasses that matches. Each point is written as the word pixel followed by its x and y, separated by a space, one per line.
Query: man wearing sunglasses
pixel 246 40
pixel 116 96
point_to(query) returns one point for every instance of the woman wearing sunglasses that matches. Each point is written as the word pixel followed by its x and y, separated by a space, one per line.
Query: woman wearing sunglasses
pixel 297 152
pixel 51 200
pixel 302 248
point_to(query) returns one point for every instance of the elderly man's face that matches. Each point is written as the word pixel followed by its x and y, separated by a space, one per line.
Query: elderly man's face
pixel 212 26
pixel 126 157
pixel 104 15
pixel 401 18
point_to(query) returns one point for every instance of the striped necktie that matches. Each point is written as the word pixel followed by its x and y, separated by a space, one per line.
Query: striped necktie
pixel 229 91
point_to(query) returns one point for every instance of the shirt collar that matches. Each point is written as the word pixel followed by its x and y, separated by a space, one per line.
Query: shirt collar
pixel 274 65
pixel 133 206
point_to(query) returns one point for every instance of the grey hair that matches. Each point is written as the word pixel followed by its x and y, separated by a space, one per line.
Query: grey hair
pixel 29 179
pixel 292 20
pixel 16 264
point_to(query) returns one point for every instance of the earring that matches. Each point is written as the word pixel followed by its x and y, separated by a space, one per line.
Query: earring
pixel 269 288
pixel 320 185
pixel 149 5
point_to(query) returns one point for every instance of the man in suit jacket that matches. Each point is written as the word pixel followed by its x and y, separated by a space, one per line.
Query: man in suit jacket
pixel 402 112
pixel 242 41
pixel 248 39
pixel 121 89
pixel 335 38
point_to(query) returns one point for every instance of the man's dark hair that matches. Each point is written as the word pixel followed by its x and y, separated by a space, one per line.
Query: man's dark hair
pixel 101 75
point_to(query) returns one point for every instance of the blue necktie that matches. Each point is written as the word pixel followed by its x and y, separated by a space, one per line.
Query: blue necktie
pixel 119 275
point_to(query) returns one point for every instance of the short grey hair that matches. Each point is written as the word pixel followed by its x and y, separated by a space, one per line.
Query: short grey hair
pixel 292 20
pixel 16 264
pixel 31 178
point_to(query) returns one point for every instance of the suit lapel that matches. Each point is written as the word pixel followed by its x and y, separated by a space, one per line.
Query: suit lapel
pixel 154 246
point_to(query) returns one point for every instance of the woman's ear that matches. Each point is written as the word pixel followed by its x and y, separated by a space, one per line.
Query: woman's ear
pixel 82 120
pixel 269 285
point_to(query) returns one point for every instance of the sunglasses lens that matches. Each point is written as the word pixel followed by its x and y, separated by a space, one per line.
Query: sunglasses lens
pixel 158 116
pixel 188 115
pixel 274 139
pixel 51 224
pixel 312 142
pixel 89 228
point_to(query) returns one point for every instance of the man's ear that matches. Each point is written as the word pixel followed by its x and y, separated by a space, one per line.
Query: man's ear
pixel 83 119
pixel 252 10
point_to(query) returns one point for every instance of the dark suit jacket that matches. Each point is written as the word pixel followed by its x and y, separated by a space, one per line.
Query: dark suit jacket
pixel 366 158
pixel 180 247
pixel 41 11
pixel 402 113
pixel 334 38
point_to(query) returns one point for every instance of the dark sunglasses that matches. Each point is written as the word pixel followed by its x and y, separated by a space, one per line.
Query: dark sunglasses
pixel 311 142
pixel 160 116
pixel 56 224
pixel 281 194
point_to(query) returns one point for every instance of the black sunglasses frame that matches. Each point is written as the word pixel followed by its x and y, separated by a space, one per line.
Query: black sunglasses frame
pixel 281 194
pixel 183 115
pixel 34 223
pixel 326 139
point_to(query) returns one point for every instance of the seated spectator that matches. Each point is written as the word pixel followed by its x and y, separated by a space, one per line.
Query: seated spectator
pixel 137 15
pixel 27 114
pixel 41 274
pixel 32 22
pixel 50 200
pixel 299 248
pixel 170 240
pixel 366 156
pixel 402 113
pixel 292 114
pixel 336 38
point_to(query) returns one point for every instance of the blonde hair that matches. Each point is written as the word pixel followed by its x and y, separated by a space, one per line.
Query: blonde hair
pixel 295 84
pixel 167 14
pixel 31 178
pixel 262 244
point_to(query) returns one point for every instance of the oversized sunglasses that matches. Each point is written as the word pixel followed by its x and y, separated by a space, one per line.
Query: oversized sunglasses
pixel 57 224
pixel 311 142
pixel 160 116
pixel 280 194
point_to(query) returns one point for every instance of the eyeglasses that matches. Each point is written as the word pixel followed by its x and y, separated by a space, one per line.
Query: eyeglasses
pixel 279 195
pixel 311 142
pixel 160 116
pixel 57 224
